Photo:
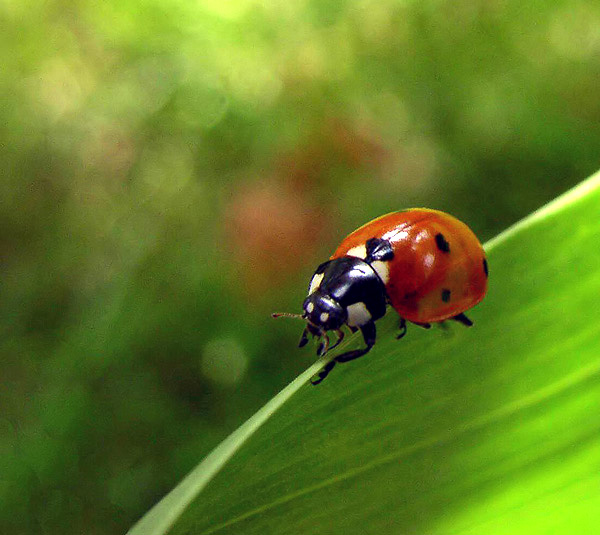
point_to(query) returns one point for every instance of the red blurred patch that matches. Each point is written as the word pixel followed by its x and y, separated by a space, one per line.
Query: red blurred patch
pixel 358 146
pixel 277 227
pixel 274 230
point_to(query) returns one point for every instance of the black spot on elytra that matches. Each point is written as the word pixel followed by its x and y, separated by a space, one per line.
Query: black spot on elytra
pixel 378 249
pixel 485 267
pixel 446 295
pixel 441 243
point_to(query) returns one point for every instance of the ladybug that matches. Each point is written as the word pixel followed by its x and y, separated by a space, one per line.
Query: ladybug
pixel 426 264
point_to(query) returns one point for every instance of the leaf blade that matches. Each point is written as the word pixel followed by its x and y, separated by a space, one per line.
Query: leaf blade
pixel 436 401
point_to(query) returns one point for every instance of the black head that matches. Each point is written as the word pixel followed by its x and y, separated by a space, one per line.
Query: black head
pixel 323 313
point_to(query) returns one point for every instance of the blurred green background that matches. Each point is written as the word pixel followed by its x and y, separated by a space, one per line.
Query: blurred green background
pixel 173 171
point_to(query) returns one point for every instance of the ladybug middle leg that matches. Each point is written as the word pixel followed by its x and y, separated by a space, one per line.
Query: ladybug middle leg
pixel 323 373
pixel 369 334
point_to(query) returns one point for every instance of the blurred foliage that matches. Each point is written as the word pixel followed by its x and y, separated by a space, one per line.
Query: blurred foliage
pixel 173 171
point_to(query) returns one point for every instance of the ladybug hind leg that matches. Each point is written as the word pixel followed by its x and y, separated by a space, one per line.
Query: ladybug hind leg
pixel 461 318
pixel 403 329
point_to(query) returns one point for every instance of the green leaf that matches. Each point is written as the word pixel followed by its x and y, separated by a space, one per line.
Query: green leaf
pixel 493 429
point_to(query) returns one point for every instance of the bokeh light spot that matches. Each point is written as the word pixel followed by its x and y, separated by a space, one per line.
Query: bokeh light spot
pixel 224 361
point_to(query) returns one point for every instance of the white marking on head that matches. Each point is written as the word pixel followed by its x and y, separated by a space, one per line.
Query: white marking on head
pixel 324 317
pixel 382 268
pixel 310 307
pixel 315 282
pixel 358 314
pixel 360 251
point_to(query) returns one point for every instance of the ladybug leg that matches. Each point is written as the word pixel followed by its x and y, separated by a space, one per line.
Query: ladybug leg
pixel 402 329
pixel 424 325
pixel 461 318
pixel 340 335
pixel 303 338
pixel 323 373
pixel 369 334
pixel 324 345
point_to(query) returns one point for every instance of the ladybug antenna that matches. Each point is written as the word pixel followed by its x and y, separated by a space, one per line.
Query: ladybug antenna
pixel 288 315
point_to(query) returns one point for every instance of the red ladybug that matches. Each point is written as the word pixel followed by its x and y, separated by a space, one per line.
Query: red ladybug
pixel 426 264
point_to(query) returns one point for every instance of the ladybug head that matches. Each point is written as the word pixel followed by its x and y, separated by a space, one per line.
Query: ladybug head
pixel 323 313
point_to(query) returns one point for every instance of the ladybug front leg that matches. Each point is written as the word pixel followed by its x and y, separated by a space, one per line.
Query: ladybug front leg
pixel 303 338
pixel 323 345
pixel 340 335
pixel 369 334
